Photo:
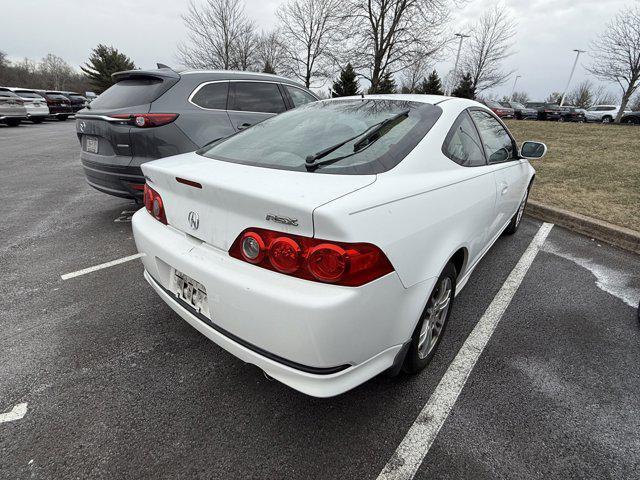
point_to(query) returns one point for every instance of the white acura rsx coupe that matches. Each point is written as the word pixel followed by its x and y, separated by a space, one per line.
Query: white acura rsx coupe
pixel 326 245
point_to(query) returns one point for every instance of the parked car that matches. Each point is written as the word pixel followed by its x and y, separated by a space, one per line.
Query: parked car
pixel 12 110
pixel 520 111
pixel 320 245
pixel 631 117
pixel 499 109
pixel 77 101
pixel 149 114
pixel 59 105
pixel 569 113
pixel 34 103
pixel 602 113
pixel 546 111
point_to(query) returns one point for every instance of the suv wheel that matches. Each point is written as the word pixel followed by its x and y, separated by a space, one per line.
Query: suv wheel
pixel 607 119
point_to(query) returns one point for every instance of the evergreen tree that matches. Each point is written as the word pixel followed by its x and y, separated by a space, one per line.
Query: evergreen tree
pixel 347 83
pixel 268 68
pixel 102 63
pixel 431 85
pixel 386 85
pixel 465 88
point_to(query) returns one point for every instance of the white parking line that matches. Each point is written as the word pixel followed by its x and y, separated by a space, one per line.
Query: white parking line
pixel 84 271
pixel 16 413
pixel 407 458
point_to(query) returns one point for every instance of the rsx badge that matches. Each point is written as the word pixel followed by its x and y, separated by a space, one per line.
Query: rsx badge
pixel 278 219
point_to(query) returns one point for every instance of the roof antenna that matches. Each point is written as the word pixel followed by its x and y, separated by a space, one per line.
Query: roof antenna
pixel 362 95
pixel 162 65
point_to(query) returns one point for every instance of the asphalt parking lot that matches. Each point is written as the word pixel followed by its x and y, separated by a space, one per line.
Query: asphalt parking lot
pixel 118 386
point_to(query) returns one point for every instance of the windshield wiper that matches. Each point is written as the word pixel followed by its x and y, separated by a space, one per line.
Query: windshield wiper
pixel 373 135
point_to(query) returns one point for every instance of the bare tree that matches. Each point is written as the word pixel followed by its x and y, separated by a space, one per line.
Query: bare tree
pixel 520 97
pixel 616 54
pixel 216 32
pixel 310 29
pixel 582 95
pixel 413 75
pixel 271 50
pixel 490 44
pixel 244 54
pixel 55 72
pixel 388 34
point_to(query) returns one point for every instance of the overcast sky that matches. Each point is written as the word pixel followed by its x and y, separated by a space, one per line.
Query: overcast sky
pixel 148 31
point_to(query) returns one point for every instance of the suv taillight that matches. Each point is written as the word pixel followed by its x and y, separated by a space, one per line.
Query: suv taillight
pixel 146 120
pixel 347 264
pixel 153 204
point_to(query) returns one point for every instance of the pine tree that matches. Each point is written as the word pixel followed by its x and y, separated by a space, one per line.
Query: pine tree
pixel 431 85
pixel 347 83
pixel 268 68
pixel 386 85
pixel 465 88
pixel 102 63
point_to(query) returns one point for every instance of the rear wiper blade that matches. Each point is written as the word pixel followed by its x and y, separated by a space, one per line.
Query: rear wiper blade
pixel 375 129
pixel 367 140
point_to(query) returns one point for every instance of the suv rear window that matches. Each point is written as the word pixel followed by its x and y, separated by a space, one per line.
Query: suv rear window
pixel 285 141
pixel 212 95
pixel 130 92
pixel 28 94
pixel 264 97
pixel 298 96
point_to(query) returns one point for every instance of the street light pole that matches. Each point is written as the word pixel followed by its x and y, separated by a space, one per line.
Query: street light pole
pixel 513 90
pixel 462 36
pixel 573 69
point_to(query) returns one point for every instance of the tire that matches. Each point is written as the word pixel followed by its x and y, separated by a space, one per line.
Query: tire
pixel 421 352
pixel 13 122
pixel 37 119
pixel 62 118
pixel 607 119
pixel 561 119
pixel 514 224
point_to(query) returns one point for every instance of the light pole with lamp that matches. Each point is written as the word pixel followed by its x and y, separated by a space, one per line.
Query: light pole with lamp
pixel 462 36
pixel 573 69
pixel 513 90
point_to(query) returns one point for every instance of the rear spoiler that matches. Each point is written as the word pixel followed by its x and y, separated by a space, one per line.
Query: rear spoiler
pixel 161 74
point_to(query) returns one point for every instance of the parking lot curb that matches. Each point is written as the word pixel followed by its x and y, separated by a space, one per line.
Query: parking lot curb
pixel 600 230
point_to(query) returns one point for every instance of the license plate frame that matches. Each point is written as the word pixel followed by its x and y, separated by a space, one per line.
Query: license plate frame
pixel 190 291
pixel 91 144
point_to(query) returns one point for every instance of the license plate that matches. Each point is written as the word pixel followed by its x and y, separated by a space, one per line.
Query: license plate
pixel 91 144
pixel 190 291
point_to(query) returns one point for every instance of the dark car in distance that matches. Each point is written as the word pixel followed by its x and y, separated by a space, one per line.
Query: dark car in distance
pixel 631 117
pixel 521 112
pixel 499 109
pixel 77 101
pixel 569 113
pixel 150 114
pixel 546 110
pixel 59 105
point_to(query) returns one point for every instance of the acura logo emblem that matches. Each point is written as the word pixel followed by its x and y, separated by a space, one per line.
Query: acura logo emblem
pixel 194 220
pixel 82 125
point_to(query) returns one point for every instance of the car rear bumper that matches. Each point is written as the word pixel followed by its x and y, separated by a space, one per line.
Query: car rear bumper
pixel 319 339
pixel 118 180
pixel 9 117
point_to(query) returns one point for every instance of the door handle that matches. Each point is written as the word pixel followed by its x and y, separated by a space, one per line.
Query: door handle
pixel 243 126
pixel 505 189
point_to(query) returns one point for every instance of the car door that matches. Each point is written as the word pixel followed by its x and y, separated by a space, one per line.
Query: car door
pixel 509 171
pixel 251 102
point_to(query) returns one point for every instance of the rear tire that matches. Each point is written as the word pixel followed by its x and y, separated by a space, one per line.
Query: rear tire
pixel 514 224
pixel 37 120
pixel 607 119
pixel 433 322
pixel 62 118
pixel 13 122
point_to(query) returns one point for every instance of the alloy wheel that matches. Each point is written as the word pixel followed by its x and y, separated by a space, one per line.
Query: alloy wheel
pixel 436 316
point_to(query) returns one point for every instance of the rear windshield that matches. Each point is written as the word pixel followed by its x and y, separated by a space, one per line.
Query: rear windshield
pixel 57 96
pixel 492 104
pixel 7 93
pixel 127 93
pixel 285 141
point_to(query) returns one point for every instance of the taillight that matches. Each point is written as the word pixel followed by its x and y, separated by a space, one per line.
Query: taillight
pixel 347 264
pixel 153 204
pixel 146 120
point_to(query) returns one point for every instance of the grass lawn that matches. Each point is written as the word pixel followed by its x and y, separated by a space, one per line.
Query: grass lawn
pixel 592 169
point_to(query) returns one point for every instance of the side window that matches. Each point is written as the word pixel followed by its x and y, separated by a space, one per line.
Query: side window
pixel 212 95
pixel 462 144
pixel 257 97
pixel 298 96
pixel 497 142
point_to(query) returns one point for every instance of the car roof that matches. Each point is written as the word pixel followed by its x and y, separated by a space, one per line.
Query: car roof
pixel 238 75
pixel 409 97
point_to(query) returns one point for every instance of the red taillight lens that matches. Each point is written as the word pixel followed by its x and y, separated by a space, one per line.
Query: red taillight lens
pixel 347 264
pixel 153 204
pixel 146 120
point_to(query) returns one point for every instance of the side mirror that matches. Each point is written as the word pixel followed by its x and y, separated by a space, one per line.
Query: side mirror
pixel 533 150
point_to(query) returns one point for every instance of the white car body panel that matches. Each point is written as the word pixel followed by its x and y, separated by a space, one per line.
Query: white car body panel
pixel 419 213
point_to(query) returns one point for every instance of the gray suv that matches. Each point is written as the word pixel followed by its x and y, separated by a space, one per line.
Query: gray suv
pixel 157 113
